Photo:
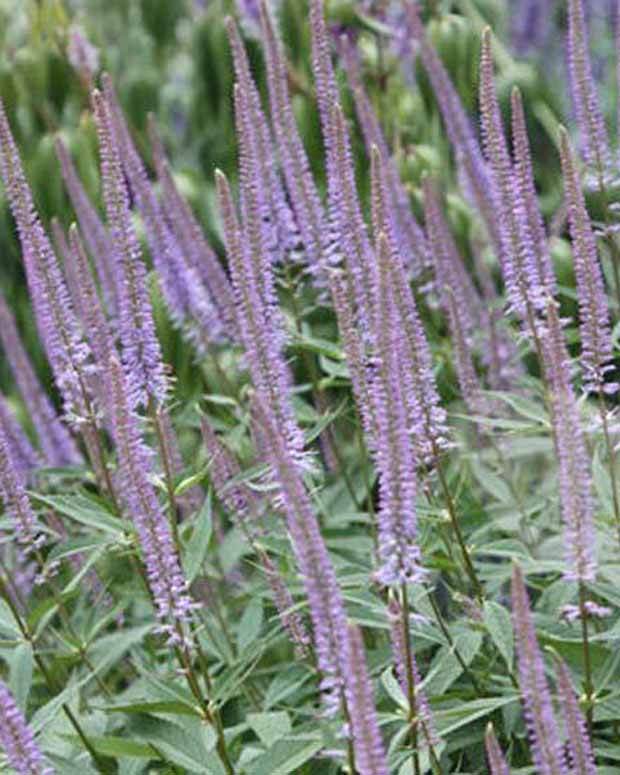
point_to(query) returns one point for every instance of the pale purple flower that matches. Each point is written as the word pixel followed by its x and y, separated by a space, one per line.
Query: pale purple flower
pixel 594 323
pixel 580 753
pixel 574 474
pixel 62 337
pixel 495 757
pixel 23 454
pixel 545 741
pixel 82 55
pixel 166 580
pixel 140 348
pixel 594 137
pixel 283 600
pixel 572 613
pixel 17 739
pixel 56 443
pixel 370 756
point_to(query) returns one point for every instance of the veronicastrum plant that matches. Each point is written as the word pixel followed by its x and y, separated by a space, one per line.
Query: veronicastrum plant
pixel 309 464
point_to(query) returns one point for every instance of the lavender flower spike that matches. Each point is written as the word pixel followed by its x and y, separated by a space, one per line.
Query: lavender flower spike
pixel 370 758
pixel 594 138
pixel 25 458
pixel 545 740
pixel 284 603
pixel 14 497
pixel 577 738
pixel 575 482
pixel 62 337
pixel 95 235
pixel 524 284
pixel 495 757
pixel 594 324
pixel 58 447
pixel 165 577
pixel 140 348
pixel 17 739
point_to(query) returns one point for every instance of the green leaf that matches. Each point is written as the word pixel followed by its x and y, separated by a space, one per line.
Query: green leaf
pixel 83 510
pixel 199 542
pixel 499 625
pixel 250 624
pixel 285 756
pixel 8 624
pixel 20 677
pixel 270 727
pixel 446 667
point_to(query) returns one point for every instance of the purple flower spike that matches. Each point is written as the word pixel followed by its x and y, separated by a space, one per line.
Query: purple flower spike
pixel 575 482
pixel 459 128
pixel 594 325
pixel 95 235
pixel 395 452
pixel 17 739
pixel 66 350
pixel 14 497
pixel 545 740
pixel 526 189
pixel 594 137
pixel 284 603
pixel 58 447
pixel 577 738
pixel 24 456
pixel 199 255
pixel 305 200
pixel 495 757
pixel 277 215
pixel 370 757
pixel 411 239
pixel 525 286
pixel 140 347
pixel 166 581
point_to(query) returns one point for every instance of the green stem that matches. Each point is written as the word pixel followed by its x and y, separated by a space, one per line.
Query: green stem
pixel 587 663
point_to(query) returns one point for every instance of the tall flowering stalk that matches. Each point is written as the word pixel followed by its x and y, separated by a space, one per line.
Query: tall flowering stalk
pixel 305 200
pixel 545 740
pixel 204 270
pixel 467 152
pixel 17 738
pixel 95 234
pixel 165 577
pixel 25 457
pixel 594 324
pixel 580 752
pixel 495 757
pixel 525 286
pixel 140 348
pixel 594 137
pixel 58 447
pixel 63 340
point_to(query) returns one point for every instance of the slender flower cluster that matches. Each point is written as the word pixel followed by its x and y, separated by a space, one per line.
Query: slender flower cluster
pixel 526 191
pixel 167 257
pixel 395 454
pixel 459 298
pixel 424 716
pixel 281 234
pixel 580 753
pixel 14 497
pixel 140 348
pixel 58 447
pixel 66 350
pixel 459 128
pixel 283 600
pixel 426 420
pixel 574 475
pixel 411 239
pixel 594 138
pixel 305 200
pixel 495 757
pixel 95 235
pixel 594 325
pixel 17 739
pixel 24 456
pixel 525 286
pixel 545 741
pixel 83 56
pixel 370 758
pixel 209 289
pixel 262 327
pixel 166 581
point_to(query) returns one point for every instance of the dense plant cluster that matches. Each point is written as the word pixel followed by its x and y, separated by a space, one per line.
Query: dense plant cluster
pixel 325 478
